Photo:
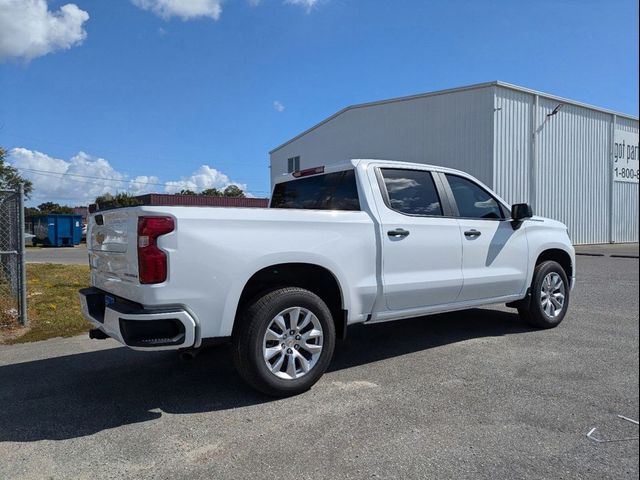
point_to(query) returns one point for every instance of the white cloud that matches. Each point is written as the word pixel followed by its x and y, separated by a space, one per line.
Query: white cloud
pixel 184 9
pixel 306 4
pixel 192 9
pixel 79 180
pixel 203 178
pixel 29 30
pixel 278 105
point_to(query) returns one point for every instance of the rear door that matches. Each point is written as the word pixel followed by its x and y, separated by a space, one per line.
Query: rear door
pixel 495 256
pixel 421 248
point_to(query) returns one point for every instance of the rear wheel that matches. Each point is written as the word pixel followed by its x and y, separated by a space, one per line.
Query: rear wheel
pixel 549 296
pixel 284 341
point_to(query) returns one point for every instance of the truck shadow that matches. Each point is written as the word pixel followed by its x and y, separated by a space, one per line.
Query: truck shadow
pixel 82 394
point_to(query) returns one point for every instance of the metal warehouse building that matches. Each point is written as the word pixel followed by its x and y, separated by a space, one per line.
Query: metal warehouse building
pixel 573 162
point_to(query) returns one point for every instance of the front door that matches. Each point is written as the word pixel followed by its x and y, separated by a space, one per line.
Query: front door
pixel 421 249
pixel 495 257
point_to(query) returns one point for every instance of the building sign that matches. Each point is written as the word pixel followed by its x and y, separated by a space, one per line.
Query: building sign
pixel 625 157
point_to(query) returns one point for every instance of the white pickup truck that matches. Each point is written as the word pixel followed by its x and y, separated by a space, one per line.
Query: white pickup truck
pixel 367 241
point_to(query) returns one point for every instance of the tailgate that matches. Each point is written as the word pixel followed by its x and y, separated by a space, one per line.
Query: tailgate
pixel 111 242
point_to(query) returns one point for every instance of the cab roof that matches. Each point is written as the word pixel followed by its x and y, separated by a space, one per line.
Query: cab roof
pixel 353 163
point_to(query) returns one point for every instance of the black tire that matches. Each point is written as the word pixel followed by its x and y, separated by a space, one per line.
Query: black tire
pixel 533 313
pixel 249 334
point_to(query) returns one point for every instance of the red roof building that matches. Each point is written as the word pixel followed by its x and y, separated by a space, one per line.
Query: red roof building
pixel 168 200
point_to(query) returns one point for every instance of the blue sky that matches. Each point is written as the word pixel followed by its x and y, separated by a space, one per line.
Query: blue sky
pixel 146 90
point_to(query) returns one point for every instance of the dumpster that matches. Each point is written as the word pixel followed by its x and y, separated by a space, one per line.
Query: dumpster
pixel 57 230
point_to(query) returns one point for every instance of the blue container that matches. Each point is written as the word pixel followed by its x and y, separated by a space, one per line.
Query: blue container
pixel 57 230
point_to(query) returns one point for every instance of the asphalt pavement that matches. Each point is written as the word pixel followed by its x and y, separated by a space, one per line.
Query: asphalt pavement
pixel 621 250
pixel 65 255
pixel 473 394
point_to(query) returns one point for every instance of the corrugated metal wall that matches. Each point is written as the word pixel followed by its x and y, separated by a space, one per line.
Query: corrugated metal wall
pixel 168 200
pixel 572 169
pixel 572 153
pixel 625 199
pixel 488 131
pixel 512 144
pixel 452 129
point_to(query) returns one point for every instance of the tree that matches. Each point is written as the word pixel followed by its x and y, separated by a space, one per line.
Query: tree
pixel 187 192
pixel 31 211
pixel 51 207
pixel 121 199
pixel 10 179
pixel 233 191
pixel 103 199
pixel 47 208
pixel 211 192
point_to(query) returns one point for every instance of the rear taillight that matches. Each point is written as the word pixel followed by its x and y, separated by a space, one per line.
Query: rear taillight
pixel 152 262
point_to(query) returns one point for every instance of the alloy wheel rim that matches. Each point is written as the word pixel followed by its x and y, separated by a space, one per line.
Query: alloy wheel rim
pixel 292 343
pixel 552 295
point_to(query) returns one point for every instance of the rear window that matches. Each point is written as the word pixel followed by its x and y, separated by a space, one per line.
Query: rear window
pixel 412 192
pixel 333 191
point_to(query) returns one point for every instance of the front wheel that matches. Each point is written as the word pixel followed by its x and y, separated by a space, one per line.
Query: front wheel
pixel 549 296
pixel 284 341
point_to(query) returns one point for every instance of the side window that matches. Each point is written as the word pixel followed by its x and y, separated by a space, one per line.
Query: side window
pixel 473 201
pixel 412 192
pixel 293 164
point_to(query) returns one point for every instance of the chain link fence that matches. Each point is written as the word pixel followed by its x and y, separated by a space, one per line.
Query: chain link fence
pixel 13 288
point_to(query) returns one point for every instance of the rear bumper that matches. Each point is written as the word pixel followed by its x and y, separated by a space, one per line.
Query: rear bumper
pixel 137 327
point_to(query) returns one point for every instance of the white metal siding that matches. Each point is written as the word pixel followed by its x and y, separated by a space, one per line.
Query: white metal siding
pixel 453 129
pixel 488 130
pixel 572 154
pixel 625 199
pixel 512 144
pixel 572 169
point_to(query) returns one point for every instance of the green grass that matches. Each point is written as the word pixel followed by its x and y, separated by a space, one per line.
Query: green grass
pixel 53 305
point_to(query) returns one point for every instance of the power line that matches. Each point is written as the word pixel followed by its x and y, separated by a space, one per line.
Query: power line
pixel 34 170
pixel 50 173
pixel 56 175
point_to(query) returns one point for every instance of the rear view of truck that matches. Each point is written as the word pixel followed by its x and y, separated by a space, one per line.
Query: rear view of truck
pixel 280 284
pixel 128 256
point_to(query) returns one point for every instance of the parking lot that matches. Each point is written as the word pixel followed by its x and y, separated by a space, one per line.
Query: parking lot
pixel 473 394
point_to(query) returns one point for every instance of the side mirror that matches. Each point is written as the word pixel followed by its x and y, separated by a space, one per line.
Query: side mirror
pixel 521 211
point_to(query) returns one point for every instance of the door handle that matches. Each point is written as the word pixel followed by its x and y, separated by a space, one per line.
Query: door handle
pixel 472 233
pixel 398 232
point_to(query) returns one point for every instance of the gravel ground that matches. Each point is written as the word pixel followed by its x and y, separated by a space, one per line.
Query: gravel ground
pixel 475 394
